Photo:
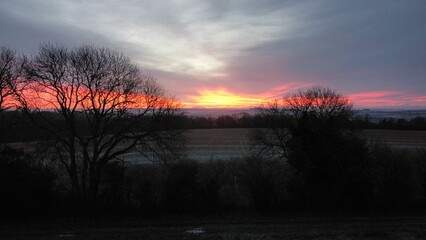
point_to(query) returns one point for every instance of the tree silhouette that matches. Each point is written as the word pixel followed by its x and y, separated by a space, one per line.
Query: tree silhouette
pixel 311 130
pixel 9 72
pixel 97 106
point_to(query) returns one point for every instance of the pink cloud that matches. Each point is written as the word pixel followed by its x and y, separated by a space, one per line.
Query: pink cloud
pixel 384 98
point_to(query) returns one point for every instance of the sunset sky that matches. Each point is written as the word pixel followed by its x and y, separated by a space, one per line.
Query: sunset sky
pixel 224 53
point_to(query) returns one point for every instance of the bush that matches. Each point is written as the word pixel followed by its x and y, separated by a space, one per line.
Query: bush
pixel 265 181
pixel 213 180
pixel 26 188
pixel 114 191
pixel 395 176
pixel 180 187
pixel 145 186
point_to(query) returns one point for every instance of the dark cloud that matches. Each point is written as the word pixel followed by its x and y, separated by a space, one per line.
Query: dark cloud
pixel 356 46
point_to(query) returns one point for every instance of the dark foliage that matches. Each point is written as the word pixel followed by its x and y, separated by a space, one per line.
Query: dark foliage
pixel 265 181
pixel 417 123
pixel 333 164
pixel 27 189
pixel 180 187
pixel 390 181
pixel 395 174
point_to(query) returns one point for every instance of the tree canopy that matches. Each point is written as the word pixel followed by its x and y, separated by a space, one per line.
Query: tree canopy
pixel 97 105
pixel 310 130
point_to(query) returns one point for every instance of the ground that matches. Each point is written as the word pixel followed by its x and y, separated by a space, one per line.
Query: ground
pixel 300 228
pixel 234 143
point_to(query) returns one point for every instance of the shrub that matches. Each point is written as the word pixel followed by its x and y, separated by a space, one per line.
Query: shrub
pixel 265 181
pixel 26 188
pixel 394 174
pixel 180 187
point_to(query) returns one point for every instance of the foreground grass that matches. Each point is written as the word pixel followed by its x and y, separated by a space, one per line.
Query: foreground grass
pixel 363 228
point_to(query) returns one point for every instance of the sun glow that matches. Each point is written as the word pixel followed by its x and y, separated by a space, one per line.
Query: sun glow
pixel 223 99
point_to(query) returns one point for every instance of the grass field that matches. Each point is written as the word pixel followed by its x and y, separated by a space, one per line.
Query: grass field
pixel 303 228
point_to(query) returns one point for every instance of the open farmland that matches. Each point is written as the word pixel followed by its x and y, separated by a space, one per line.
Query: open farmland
pixel 234 143
pixel 397 138
pixel 204 144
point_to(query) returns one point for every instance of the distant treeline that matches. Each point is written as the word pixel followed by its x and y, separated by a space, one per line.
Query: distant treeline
pixel 246 120
pixel 19 127
pixel 417 123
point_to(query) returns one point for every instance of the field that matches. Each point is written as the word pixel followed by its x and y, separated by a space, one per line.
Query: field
pixel 298 228
pixel 204 144
pixel 397 138
pixel 234 143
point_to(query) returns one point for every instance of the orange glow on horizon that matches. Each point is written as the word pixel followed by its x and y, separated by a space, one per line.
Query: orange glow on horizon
pixel 218 98
pixel 46 98
pixel 223 99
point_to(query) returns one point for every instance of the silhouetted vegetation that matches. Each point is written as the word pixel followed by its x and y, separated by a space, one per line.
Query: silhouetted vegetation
pixel 245 120
pixel 390 181
pixel 307 154
pixel 95 106
pixel 364 121
pixel 26 187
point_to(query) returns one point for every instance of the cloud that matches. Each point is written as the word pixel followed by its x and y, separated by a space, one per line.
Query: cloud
pixel 191 37
pixel 387 99
pixel 355 45
pixel 247 46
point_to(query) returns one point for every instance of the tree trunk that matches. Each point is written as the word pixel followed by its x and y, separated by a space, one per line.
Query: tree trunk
pixel 94 180
pixel 74 171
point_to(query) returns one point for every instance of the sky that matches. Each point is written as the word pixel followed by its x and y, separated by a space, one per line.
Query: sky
pixel 224 53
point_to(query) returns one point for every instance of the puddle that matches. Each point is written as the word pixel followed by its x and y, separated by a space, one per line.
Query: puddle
pixel 66 235
pixel 198 230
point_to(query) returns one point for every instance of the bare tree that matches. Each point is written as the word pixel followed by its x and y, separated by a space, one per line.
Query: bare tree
pixel 319 102
pixel 317 108
pixel 9 73
pixel 271 141
pixel 311 130
pixel 97 106
pixel 8 76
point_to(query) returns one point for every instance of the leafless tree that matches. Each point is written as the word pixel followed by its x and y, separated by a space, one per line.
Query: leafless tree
pixel 97 106
pixel 9 72
pixel 285 116
pixel 271 141
pixel 327 157
pixel 323 103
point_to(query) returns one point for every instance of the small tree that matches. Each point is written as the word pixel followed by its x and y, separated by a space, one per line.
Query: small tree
pixel 97 106
pixel 311 129
pixel 320 122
